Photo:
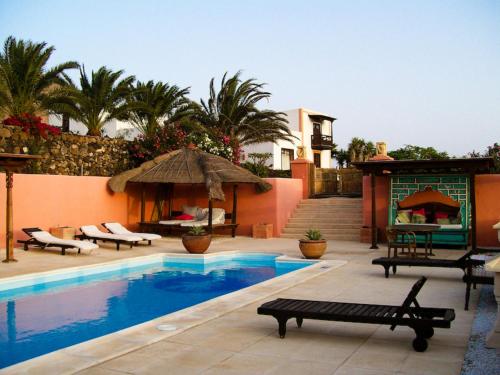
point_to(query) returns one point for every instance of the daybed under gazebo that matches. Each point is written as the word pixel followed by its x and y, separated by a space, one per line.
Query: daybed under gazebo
pixel 189 166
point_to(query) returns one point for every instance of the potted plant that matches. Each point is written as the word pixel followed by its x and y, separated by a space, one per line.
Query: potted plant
pixel 313 246
pixel 197 240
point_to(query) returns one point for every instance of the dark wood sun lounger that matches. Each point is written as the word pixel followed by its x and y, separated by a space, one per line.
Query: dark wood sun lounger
pixel 421 319
pixel 393 262
pixel 34 242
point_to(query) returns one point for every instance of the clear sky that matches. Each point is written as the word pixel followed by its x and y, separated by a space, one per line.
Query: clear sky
pixel 406 72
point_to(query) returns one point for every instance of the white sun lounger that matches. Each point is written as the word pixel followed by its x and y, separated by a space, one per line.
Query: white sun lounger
pixel 117 228
pixel 43 239
pixel 91 232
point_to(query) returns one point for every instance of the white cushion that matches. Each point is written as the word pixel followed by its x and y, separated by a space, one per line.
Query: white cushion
pixel 117 228
pixel 451 226
pixel 93 231
pixel 201 214
pixel 190 210
pixel 47 238
pixel 173 222
pixel 218 217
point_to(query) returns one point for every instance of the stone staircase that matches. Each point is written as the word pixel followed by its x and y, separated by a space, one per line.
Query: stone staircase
pixel 337 218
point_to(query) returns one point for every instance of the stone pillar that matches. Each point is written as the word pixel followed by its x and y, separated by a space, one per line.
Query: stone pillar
pixel 493 339
pixel 304 170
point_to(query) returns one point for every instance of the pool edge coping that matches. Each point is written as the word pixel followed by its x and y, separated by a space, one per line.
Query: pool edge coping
pixel 101 349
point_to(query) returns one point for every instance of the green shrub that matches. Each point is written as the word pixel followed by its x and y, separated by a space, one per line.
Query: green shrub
pixel 197 231
pixel 313 235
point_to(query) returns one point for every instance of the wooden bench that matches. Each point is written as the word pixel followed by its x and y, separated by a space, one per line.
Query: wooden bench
pixel 422 320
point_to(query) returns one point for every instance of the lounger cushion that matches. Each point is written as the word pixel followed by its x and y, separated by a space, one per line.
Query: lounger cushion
pixel 94 232
pixel 117 228
pixel 46 237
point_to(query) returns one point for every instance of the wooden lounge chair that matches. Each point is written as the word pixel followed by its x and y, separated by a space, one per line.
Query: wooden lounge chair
pixel 393 262
pixel 42 239
pixel 421 319
pixel 117 228
pixel 91 232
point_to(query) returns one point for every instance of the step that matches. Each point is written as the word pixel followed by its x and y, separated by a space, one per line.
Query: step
pixel 338 237
pixel 326 203
pixel 323 225
pixel 329 208
pixel 324 232
pixel 338 214
pixel 327 215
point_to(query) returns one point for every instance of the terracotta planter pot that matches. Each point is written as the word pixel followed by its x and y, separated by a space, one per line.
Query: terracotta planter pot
pixel 196 244
pixel 312 249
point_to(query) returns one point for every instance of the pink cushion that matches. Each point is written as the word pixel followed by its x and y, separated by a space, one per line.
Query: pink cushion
pixel 441 215
pixel 184 217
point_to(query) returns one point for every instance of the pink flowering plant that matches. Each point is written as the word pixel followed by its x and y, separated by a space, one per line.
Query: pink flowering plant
pixel 220 146
pixel 39 133
pixel 165 139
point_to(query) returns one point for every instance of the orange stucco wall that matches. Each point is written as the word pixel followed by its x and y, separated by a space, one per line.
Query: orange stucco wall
pixel 381 201
pixel 488 208
pixel 46 201
pixel 487 205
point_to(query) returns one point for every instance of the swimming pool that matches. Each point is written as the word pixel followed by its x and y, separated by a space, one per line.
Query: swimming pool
pixel 47 312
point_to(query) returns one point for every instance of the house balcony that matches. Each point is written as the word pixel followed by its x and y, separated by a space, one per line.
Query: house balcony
pixel 321 142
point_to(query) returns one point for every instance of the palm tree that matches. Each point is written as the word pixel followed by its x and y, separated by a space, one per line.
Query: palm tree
pixel 26 84
pixel 232 112
pixel 360 150
pixel 100 99
pixel 153 104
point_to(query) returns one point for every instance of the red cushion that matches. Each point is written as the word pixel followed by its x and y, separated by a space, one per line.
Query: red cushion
pixel 184 217
pixel 419 212
pixel 441 215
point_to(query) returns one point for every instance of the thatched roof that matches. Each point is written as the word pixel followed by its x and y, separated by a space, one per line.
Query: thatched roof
pixel 189 166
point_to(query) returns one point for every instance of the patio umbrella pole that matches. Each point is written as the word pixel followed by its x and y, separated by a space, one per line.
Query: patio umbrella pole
pixel 209 215
pixel 143 203
pixel 374 213
pixel 472 181
pixel 9 245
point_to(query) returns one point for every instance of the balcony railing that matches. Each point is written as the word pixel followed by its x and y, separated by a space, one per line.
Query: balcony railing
pixel 321 142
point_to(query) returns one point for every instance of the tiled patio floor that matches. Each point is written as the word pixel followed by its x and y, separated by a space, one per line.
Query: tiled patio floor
pixel 242 342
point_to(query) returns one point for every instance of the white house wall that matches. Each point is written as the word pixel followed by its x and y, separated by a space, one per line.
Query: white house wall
pixel 113 128
pixel 303 138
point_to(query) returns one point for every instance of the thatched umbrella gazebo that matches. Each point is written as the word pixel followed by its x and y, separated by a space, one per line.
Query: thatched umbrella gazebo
pixel 190 166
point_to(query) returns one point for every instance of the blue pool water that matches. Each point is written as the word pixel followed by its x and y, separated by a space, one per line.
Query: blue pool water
pixel 40 318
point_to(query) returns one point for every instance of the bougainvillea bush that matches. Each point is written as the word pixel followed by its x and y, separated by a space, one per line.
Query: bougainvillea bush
pixel 173 137
pixel 165 139
pixel 38 131
pixel 217 146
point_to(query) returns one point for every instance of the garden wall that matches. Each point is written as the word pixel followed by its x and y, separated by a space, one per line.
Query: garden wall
pixel 487 205
pixel 71 154
pixel 46 201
